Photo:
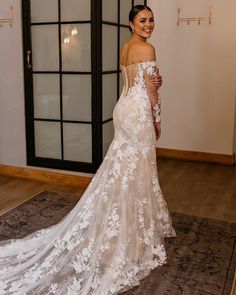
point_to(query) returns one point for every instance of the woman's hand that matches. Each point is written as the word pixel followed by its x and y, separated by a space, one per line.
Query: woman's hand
pixel 157 126
pixel 156 79
pixel 154 83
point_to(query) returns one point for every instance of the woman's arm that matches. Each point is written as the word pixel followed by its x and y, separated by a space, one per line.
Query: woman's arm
pixel 153 93
pixel 153 83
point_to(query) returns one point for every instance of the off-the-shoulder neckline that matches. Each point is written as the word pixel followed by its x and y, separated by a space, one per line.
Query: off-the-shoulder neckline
pixel 139 63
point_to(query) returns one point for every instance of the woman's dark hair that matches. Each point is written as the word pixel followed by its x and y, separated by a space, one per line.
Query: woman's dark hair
pixel 135 10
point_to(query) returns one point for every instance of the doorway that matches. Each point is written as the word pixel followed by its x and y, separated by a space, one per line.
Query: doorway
pixel 72 79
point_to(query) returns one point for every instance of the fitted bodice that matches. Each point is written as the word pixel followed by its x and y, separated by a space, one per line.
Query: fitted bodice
pixel 136 75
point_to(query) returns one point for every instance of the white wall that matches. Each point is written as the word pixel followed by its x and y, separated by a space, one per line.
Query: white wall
pixel 198 65
pixel 12 119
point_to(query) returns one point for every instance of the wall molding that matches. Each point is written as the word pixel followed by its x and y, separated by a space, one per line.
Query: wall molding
pixel 82 181
pixel 196 156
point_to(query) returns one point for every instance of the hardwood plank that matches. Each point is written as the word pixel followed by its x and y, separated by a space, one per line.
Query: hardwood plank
pixel 16 191
pixel 207 190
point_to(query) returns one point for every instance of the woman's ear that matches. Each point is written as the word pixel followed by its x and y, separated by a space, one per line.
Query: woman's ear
pixel 131 26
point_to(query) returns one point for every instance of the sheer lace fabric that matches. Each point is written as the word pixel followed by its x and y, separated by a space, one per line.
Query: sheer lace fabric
pixel 114 236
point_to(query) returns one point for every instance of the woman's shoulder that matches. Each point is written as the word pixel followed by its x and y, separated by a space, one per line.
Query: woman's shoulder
pixel 147 52
pixel 148 48
pixel 138 51
pixel 138 44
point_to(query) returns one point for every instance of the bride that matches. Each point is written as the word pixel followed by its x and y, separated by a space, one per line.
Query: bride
pixel 114 236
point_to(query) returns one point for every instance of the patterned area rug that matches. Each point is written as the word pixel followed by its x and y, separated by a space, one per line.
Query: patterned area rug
pixel 201 259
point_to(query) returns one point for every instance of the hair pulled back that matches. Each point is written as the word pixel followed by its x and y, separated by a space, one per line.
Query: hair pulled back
pixel 135 10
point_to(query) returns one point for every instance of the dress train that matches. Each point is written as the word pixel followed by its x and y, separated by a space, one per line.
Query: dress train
pixel 114 236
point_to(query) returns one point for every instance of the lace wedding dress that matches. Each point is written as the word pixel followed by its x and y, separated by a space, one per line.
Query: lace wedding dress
pixel 114 236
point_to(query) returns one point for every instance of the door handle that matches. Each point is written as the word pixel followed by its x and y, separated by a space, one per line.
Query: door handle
pixel 28 65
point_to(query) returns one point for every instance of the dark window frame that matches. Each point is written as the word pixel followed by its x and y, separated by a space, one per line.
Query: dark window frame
pixel 96 74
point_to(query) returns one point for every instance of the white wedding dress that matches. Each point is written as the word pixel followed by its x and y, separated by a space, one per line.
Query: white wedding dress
pixel 114 236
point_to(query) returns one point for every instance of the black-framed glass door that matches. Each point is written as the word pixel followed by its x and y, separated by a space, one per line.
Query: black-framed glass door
pixel 72 79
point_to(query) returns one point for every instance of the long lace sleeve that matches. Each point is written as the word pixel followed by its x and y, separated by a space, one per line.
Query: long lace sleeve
pixel 153 92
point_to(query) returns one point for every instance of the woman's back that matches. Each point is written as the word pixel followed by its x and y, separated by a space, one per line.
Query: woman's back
pixel 137 62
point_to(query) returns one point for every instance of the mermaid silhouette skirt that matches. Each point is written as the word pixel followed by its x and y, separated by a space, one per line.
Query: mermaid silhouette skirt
pixel 114 236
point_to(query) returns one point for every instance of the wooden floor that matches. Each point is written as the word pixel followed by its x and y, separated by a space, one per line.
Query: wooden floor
pixel 14 191
pixel 206 190
pixel 202 189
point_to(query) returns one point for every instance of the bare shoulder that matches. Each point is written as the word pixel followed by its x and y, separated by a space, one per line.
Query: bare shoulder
pixel 149 46
pixel 148 52
pixel 133 52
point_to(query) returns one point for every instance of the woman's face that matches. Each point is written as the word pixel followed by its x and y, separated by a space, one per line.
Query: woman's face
pixel 143 24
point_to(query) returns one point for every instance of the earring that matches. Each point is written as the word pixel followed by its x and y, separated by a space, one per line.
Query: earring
pixel 132 30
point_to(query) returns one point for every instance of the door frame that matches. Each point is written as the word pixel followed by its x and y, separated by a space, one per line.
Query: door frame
pixel 96 81
pixel 96 87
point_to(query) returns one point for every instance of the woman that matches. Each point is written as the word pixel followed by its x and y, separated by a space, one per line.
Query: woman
pixel 114 236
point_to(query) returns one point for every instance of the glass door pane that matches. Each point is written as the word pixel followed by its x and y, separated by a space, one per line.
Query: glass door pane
pixel 44 10
pixel 125 34
pixel 109 91
pixel 77 142
pixel 45 47
pixel 76 47
pixel 110 11
pixel 125 6
pixel 109 47
pixel 137 2
pixel 77 97
pixel 47 139
pixel 74 10
pixel 108 133
pixel 46 96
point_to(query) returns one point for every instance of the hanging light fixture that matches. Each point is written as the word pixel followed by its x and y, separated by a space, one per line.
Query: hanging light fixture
pixel 74 31
pixel 66 38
